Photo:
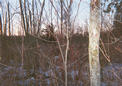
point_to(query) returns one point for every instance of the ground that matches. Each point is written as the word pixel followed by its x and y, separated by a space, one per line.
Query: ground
pixel 43 64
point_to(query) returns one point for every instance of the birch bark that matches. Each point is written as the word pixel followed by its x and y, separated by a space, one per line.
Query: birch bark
pixel 94 35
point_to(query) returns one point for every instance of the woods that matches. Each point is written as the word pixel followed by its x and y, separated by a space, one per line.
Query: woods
pixel 60 43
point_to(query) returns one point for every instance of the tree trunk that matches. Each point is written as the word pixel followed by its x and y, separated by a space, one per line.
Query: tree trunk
pixel 5 24
pixel 26 19
pixel 30 19
pixel 40 19
pixel 0 37
pixel 61 1
pixel 0 25
pixel 9 29
pixel 22 16
pixel 33 20
pixel 94 35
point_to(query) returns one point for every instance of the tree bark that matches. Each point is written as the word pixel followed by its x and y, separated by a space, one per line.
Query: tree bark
pixel 9 19
pixel 22 16
pixel 61 7
pixel 33 20
pixel 94 35
pixel 25 13
pixel 5 24
pixel 0 37
pixel 40 19
pixel 0 25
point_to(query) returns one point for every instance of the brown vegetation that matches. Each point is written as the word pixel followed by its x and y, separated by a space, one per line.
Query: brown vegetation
pixel 46 55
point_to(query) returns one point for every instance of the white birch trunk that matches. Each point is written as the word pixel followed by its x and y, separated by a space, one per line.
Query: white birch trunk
pixel 94 35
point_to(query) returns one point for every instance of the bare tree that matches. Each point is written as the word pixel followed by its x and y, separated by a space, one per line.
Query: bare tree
pixel 0 26
pixel 33 29
pixel 94 35
pixel 30 18
pixel 25 13
pixel 40 19
pixel 61 7
pixel 9 24
pixel 5 24
pixel 0 19
pixel 22 16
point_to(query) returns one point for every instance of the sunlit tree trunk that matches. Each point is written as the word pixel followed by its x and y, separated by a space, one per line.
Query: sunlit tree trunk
pixel 5 24
pixel 94 35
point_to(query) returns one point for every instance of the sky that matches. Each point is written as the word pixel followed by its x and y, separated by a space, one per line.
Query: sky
pixel 81 18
